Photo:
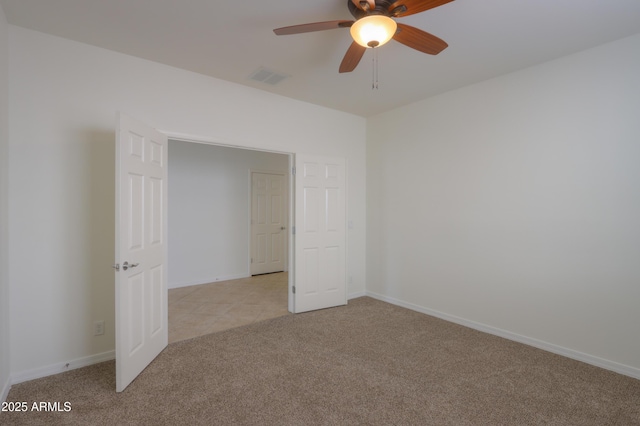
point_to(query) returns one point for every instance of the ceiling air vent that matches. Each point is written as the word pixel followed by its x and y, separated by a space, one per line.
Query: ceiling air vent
pixel 266 76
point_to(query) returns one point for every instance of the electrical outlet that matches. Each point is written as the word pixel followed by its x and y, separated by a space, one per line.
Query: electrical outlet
pixel 98 328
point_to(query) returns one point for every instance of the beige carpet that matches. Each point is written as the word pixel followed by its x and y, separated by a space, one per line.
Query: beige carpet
pixel 368 363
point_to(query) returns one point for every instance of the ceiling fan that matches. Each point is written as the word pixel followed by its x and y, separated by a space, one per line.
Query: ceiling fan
pixel 374 27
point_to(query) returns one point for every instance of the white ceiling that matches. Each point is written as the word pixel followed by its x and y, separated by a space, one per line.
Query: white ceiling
pixel 231 39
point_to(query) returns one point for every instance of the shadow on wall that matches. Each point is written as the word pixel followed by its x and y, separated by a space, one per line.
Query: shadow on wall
pixel 100 235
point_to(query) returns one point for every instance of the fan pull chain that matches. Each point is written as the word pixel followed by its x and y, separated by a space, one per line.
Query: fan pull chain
pixel 374 75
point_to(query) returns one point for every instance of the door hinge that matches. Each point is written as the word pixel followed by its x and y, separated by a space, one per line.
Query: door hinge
pixel 294 289
pixel 293 171
pixel 252 260
pixel 293 230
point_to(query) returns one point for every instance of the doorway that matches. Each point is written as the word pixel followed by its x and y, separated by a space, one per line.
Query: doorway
pixel 210 233
pixel 142 240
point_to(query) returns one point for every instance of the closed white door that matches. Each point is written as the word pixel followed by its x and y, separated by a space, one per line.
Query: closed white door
pixel 268 223
pixel 141 252
pixel 320 234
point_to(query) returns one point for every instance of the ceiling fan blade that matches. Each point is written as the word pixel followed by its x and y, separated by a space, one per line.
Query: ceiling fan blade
pixel 315 26
pixel 409 7
pixel 352 57
pixel 419 40
pixel 364 4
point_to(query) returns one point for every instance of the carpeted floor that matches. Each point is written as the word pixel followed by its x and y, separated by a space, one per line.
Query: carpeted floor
pixel 366 363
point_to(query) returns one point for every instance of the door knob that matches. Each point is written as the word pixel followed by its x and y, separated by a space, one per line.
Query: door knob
pixel 126 265
pixel 282 228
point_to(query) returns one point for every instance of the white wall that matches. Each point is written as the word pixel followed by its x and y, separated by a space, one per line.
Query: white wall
pixel 4 208
pixel 62 105
pixel 514 205
pixel 209 210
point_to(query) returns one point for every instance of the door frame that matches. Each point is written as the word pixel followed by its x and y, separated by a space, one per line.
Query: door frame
pixel 183 137
pixel 289 200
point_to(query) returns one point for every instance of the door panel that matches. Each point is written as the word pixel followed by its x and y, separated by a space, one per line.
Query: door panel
pixel 156 276
pixel 320 239
pixel 268 223
pixel 141 229
pixel 135 287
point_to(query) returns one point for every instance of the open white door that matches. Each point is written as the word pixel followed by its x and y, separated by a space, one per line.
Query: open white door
pixel 141 230
pixel 320 234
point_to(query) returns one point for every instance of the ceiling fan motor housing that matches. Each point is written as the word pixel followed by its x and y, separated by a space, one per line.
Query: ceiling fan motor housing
pixel 382 8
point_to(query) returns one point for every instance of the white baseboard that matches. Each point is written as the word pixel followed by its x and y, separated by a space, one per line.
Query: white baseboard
pixel 4 391
pixel 37 373
pixel 549 347
pixel 356 295
pixel 207 280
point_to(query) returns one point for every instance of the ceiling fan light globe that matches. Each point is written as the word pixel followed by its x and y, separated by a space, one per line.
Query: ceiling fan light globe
pixel 373 30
